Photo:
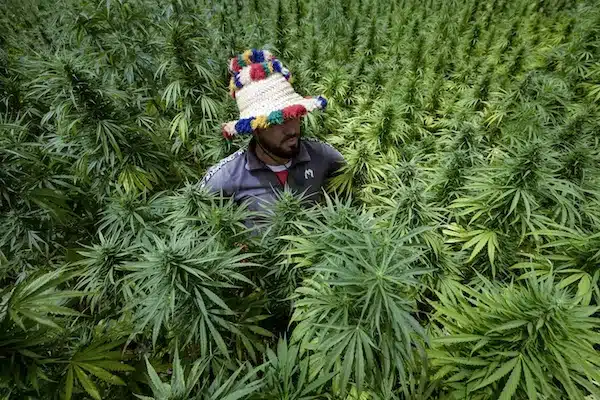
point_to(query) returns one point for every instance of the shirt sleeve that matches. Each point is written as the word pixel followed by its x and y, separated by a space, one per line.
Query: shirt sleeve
pixel 336 160
pixel 213 182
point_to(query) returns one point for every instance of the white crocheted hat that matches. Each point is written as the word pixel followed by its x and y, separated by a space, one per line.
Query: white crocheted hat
pixel 264 95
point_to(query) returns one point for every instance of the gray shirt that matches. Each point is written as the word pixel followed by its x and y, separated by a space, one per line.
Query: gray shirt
pixel 246 178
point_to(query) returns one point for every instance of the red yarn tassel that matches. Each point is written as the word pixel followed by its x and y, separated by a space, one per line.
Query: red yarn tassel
pixel 295 111
pixel 257 72
pixel 234 65
pixel 226 134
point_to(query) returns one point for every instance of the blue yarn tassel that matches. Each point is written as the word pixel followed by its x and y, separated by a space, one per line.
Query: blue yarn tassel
pixel 236 80
pixel 322 102
pixel 257 56
pixel 244 125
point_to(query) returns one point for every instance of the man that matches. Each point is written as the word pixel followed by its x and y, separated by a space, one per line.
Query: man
pixel 277 157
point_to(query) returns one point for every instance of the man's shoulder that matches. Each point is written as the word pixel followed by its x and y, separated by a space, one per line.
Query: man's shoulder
pixel 322 148
pixel 318 145
pixel 220 173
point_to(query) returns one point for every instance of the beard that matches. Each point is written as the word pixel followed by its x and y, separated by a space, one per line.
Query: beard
pixel 278 151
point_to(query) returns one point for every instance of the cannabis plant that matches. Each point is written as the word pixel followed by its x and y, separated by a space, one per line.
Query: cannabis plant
pixel 356 311
pixel 500 341
pixel 196 382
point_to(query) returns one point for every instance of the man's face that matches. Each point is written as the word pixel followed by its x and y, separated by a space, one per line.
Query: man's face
pixel 281 140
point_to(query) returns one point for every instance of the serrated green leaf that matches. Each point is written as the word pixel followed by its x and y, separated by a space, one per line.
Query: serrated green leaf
pixel 102 374
pixel 570 279
pixel 508 325
pixel 347 363
pixel 259 330
pixel 499 373
pixel 513 382
pixel 69 384
pixel 114 366
pixel 87 383
pixel 529 383
pixel 456 339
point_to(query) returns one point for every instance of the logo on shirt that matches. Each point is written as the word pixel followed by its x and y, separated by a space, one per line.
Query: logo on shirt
pixel 308 172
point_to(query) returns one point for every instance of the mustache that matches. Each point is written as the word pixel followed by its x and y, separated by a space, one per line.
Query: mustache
pixel 288 137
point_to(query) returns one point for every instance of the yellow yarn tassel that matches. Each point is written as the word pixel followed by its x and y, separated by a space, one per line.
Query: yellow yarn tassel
pixel 246 56
pixel 260 122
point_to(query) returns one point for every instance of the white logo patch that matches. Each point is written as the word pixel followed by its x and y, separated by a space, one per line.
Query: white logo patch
pixel 308 172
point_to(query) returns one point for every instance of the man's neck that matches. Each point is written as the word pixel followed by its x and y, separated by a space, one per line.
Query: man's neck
pixel 269 159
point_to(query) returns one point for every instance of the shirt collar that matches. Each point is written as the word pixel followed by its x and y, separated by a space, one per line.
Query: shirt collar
pixel 254 163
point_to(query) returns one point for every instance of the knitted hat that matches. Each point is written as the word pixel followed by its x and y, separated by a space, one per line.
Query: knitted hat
pixel 260 85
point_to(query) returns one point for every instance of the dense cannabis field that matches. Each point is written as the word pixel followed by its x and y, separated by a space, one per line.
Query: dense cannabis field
pixel 456 257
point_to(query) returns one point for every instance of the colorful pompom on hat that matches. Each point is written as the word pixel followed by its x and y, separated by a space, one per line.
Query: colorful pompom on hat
pixel 265 97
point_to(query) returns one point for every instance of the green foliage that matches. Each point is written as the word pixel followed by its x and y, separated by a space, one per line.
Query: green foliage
pixel 502 340
pixel 356 311
pixel 289 375
pixel 32 315
pixel 456 255
pixel 94 360
pixel 197 383
pixel 181 284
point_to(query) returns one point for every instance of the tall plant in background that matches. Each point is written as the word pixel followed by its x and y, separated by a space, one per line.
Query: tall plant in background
pixel 192 89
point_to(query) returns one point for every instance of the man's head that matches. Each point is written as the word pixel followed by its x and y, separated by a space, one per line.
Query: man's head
pixel 281 140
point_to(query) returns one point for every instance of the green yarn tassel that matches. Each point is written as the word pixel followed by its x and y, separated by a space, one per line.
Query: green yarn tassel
pixel 275 118
pixel 265 68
